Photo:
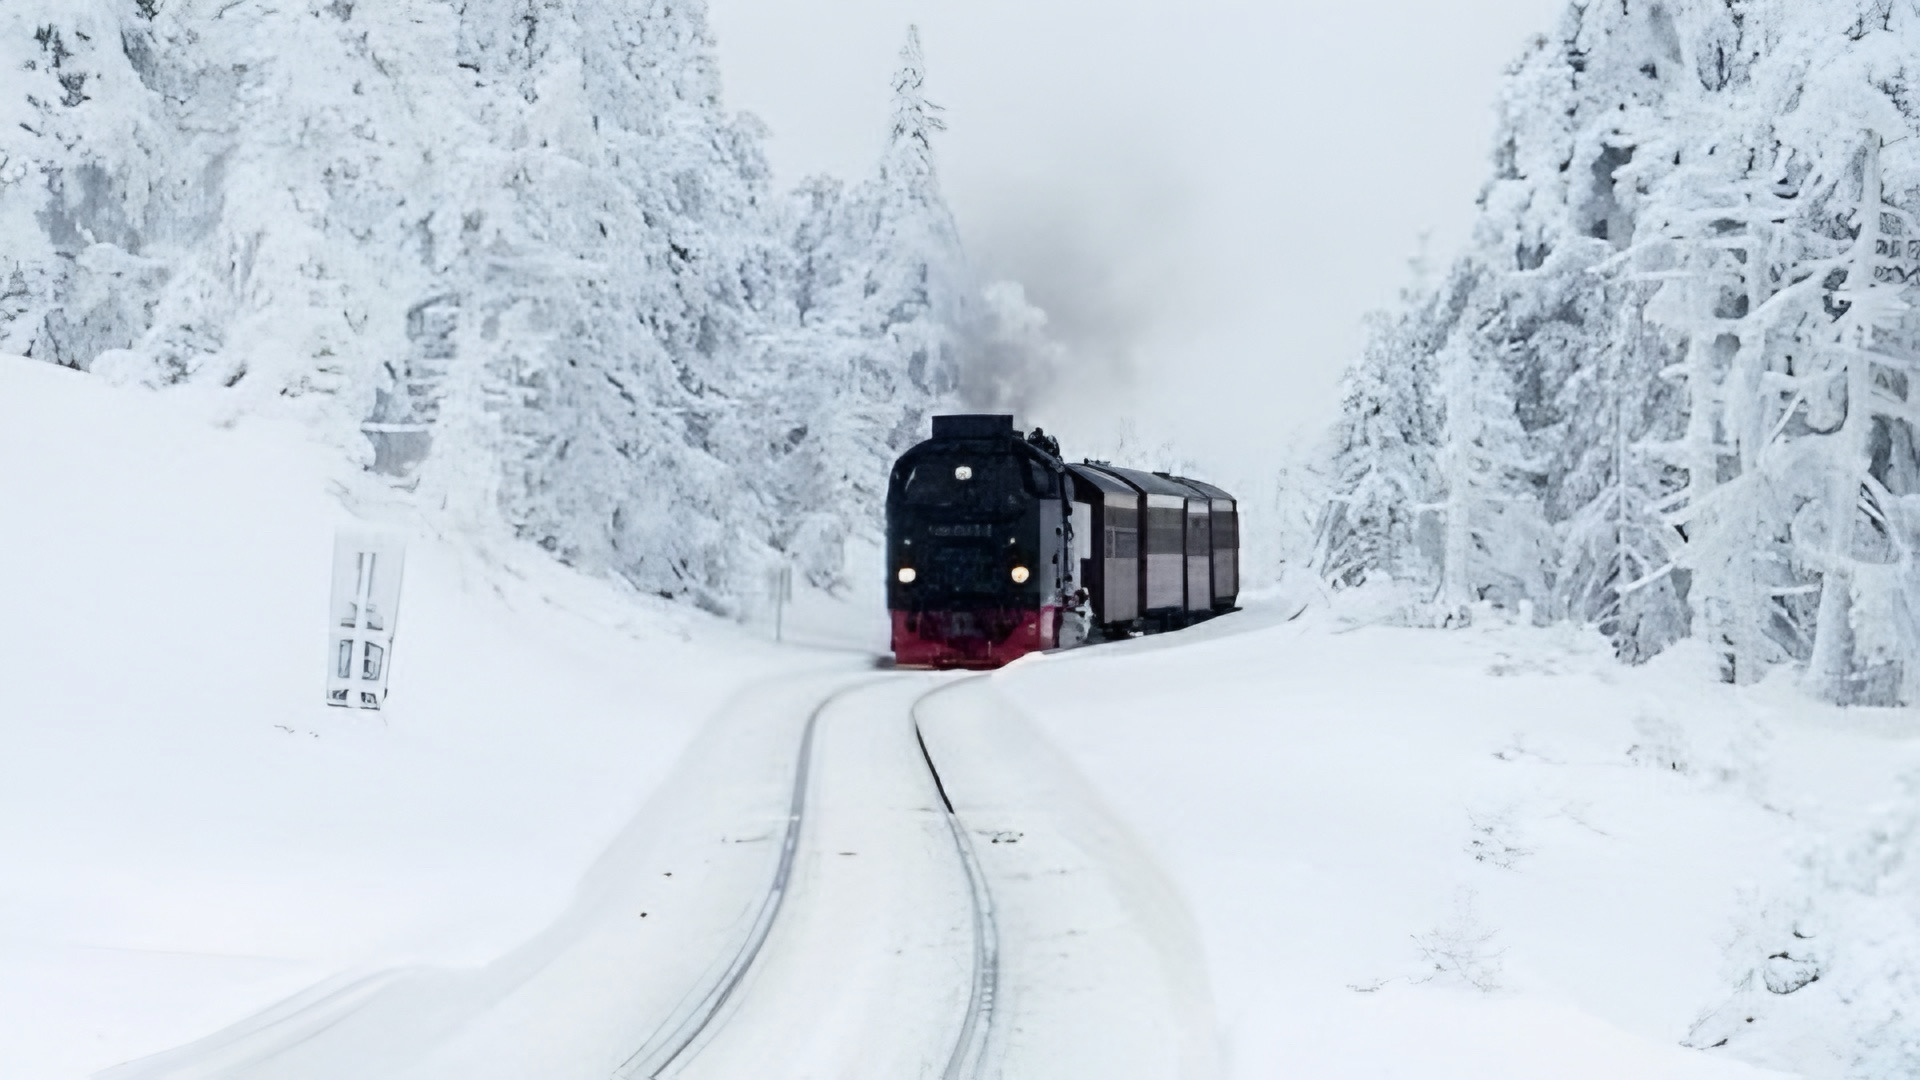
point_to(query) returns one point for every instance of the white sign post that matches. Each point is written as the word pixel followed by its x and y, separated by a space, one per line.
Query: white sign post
pixel 780 586
pixel 366 598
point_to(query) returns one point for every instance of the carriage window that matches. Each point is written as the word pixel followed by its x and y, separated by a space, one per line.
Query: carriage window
pixel 1164 530
pixel 1226 531
pixel 1197 538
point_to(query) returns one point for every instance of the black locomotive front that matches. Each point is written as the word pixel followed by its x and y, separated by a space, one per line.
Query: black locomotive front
pixel 978 545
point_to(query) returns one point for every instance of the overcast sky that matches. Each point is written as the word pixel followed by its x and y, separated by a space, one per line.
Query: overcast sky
pixel 1205 195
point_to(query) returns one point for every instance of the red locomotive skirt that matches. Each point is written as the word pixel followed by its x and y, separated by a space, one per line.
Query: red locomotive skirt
pixel 972 639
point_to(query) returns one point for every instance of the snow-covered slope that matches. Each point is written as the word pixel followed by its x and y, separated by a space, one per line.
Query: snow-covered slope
pixel 1496 853
pixel 189 833
pixel 529 860
pixel 1491 852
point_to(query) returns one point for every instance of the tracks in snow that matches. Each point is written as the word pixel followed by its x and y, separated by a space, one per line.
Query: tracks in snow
pixel 970 1050
pixel 691 1042
pixel 672 1042
pixel 815 870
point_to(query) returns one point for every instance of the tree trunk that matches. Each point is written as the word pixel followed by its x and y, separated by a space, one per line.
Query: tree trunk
pixel 1831 665
pixel 1456 467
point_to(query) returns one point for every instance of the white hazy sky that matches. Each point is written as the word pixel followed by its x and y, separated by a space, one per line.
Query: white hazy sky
pixel 1205 195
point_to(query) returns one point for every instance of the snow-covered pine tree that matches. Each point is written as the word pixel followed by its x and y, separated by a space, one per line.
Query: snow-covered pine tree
pixel 616 272
pixel 1702 306
pixel 1525 318
pixel 1434 479
pixel 1760 233
pixel 916 279
pixel 1493 539
pixel 885 307
pixel 1384 467
pixel 1713 239
pixel 1865 636
pixel 1616 569
pixel 76 270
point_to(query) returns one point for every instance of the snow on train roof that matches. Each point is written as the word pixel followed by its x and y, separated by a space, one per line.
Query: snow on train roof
pixel 1097 478
pixel 1148 482
pixel 1209 490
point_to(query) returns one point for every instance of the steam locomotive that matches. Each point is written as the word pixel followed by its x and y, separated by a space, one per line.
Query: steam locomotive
pixel 996 547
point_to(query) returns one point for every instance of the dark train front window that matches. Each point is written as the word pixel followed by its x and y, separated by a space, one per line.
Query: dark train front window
pixel 984 482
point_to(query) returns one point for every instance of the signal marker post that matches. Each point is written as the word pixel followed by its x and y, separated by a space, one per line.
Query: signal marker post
pixel 780 584
pixel 366 598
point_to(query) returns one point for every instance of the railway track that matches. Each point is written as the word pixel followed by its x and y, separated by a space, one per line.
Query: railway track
pixel 970 1050
pixel 677 1044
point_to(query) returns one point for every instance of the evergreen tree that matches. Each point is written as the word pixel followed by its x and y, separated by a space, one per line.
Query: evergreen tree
pixel 1492 535
pixel 1864 638
pixel 885 305
pixel 1384 463
pixel 1689 335
pixel 1616 568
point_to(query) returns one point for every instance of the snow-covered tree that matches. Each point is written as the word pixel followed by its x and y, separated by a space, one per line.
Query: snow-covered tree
pixel 1492 537
pixel 887 318
pixel 1616 568
pixel 1692 265
pixel 1384 463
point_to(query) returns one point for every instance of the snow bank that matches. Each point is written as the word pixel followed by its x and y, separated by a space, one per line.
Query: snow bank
pixel 1495 852
pixel 189 833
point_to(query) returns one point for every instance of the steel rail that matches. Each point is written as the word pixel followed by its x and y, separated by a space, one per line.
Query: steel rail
pixel 671 1046
pixel 969 1057
pixel 660 1052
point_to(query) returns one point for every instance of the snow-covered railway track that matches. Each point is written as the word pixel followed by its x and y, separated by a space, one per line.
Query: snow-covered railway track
pixel 970 1050
pixel 673 1041
pixel 811 894
pixel 897 958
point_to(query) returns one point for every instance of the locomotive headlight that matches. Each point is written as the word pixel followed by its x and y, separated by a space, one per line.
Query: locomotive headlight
pixel 964 472
pixel 907 575
pixel 1020 575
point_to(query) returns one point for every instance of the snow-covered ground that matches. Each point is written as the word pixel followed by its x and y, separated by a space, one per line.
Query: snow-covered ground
pixel 1497 852
pixel 1268 846
pixel 188 833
